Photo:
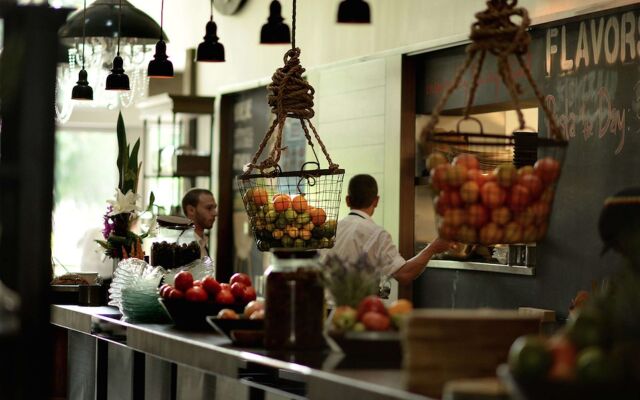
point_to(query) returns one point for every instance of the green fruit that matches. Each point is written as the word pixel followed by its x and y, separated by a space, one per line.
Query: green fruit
pixel 271 216
pixel 267 208
pixel 287 241
pixel 344 318
pixel 281 222
pixel 298 243
pixel 587 329
pixel 314 243
pixel 324 243
pixel 359 327
pixel 290 215
pixel 593 366
pixel 529 358
pixel 329 228
pixel 270 227
pixel 303 218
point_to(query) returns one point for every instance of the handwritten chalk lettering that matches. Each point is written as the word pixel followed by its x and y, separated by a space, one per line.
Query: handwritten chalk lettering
pixel 242 110
pixel 608 118
pixel 614 39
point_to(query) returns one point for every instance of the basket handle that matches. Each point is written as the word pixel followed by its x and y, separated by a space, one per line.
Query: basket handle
pixel 495 32
pixel 469 118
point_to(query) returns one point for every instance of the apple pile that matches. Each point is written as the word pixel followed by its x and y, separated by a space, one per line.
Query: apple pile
pixel 506 205
pixel 286 221
pixel 238 291
pixel 371 315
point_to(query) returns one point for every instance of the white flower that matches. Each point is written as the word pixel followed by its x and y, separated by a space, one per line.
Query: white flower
pixel 124 203
pixel 153 226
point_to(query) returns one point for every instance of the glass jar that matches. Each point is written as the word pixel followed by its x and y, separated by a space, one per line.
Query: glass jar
pixel 294 301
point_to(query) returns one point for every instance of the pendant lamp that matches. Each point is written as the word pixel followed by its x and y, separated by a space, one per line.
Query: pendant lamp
pixel 160 66
pixel 117 79
pixel 275 31
pixel 210 50
pixel 354 12
pixel 82 90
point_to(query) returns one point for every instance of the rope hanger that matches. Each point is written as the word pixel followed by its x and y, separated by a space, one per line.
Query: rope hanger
pixel 290 96
pixel 494 32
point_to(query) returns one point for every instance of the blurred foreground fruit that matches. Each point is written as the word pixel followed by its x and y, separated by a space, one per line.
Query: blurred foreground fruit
pixel 529 358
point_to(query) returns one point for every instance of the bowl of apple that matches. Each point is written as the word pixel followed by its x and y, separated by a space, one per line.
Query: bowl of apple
pixel 188 302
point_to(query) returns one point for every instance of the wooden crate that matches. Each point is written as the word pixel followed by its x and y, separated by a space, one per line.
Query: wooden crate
pixel 442 345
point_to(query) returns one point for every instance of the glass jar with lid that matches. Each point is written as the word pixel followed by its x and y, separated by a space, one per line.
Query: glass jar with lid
pixel 294 301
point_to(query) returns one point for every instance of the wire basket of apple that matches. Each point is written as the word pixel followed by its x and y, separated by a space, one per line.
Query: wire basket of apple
pixel 289 211
pixel 190 301
pixel 506 204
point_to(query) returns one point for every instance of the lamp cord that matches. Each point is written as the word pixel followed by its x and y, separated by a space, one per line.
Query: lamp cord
pixel 84 32
pixel 119 26
pixel 293 26
pixel 211 17
pixel 161 17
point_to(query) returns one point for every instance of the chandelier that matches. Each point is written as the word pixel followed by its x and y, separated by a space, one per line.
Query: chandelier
pixel 138 35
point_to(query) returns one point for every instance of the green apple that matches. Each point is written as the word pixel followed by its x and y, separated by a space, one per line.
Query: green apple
pixel 281 222
pixel 303 218
pixel 271 216
pixel 290 215
pixel 298 243
pixel 287 241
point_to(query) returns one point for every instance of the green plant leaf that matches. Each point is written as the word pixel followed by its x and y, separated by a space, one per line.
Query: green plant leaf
pixel 122 150
pixel 152 199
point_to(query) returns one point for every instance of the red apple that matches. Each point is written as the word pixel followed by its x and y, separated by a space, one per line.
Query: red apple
pixel 540 211
pixel 447 231
pixel 440 205
pixel 526 170
pixel 240 277
pixel 371 304
pixel 374 321
pixel 175 294
pixel 479 177
pixel 477 215
pixel 224 297
pixel 211 285
pixel 466 234
pixel 469 192
pixel 529 234
pixel 469 161
pixel 225 286
pixel 531 182
pixel 492 195
pixel 248 294
pixel 547 195
pixel 451 198
pixel 456 176
pixel 506 174
pixel 438 176
pixel 519 198
pixel 525 217
pixel 491 233
pixel 196 294
pixel 435 159
pixel 547 169
pixel 501 215
pixel 164 290
pixel 454 217
pixel 183 280
pixel 197 283
pixel 512 232
pixel 237 289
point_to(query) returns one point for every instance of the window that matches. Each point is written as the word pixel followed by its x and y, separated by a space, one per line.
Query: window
pixel 85 177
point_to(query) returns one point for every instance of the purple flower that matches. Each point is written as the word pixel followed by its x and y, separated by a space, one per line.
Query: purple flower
pixel 108 224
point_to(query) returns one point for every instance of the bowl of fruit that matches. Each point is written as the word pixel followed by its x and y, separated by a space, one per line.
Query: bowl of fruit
pixel 244 329
pixel 190 301
pixel 371 330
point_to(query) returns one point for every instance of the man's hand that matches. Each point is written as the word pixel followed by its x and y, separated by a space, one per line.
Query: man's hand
pixel 441 245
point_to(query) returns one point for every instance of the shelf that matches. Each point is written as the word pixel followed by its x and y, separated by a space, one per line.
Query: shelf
pixel 480 266
pixel 177 176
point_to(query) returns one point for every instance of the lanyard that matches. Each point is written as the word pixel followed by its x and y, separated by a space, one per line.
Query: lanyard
pixel 356 214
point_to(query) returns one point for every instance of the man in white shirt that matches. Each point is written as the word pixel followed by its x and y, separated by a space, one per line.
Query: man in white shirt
pixel 200 207
pixel 358 233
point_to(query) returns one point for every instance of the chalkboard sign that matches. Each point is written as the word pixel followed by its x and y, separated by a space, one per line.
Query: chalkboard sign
pixel 588 71
pixel 251 118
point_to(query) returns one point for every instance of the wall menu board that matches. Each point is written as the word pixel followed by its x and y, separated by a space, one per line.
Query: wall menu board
pixel 249 117
pixel 589 73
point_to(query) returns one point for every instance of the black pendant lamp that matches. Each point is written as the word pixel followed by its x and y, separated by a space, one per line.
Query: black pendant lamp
pixel 210 50
pixel 354 12
pixel 82 90
pixel 117 79
pixel 160 66
pixel 275 31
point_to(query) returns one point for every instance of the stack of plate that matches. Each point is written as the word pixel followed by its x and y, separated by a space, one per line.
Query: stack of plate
pixel 140 302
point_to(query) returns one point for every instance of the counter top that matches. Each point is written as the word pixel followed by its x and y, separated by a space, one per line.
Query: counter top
pixel 324 374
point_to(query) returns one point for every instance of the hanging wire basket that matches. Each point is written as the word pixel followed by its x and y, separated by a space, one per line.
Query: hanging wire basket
pixel 490 188
pixel 291 209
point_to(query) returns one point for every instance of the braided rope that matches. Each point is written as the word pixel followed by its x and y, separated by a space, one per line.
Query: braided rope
pixel 496 33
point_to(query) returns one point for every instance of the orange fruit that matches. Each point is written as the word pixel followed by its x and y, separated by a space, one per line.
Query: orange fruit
pixel 400 306
pixel 299 203
pixel 281 202
pixel 318 216
pixel 260 196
